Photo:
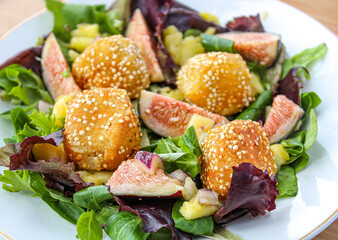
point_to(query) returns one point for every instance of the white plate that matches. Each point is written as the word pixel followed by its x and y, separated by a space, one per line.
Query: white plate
pixel 302 217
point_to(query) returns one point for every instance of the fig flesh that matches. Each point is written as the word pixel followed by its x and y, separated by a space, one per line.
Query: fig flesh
pixel 169 117
pixel 55 70
pixel 261 48
pixel 148 162
pixel 138 32
pixel 129 180
pixel 283 118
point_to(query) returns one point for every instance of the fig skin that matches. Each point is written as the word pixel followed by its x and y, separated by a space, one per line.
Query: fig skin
pixel 139 32
pixel 262 48
pixel 283 118
pixel 101 129
pixel 169 117
pixel 54 65
pixel 115 62
pixel 217 81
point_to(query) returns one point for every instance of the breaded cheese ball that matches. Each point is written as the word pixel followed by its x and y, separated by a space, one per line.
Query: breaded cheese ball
pixel 101 129
pixel 230 145
pixel 216 81
pixel 115 62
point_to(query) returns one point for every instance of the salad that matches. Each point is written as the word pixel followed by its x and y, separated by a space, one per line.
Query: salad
pixel 153 121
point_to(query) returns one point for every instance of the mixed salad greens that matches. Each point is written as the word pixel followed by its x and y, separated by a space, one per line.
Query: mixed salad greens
pixel 93 208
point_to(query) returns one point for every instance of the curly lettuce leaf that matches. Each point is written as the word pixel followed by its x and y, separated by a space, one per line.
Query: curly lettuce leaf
pixel 246 24
pixel 27 58
pixel 68 16
pixel 250 189
pixel 22 86
pixel 180 153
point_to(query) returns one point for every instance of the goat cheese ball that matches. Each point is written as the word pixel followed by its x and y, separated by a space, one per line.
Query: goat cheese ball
pixel 230 145
pixel 101 129
pixel 216 81
pixel 115 62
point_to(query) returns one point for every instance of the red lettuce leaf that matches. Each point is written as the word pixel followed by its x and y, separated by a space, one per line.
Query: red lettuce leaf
pixel 291 84
pixel 154 213
pixel 251 189
pixel 246 24
pixel 58 175
pixel 27 58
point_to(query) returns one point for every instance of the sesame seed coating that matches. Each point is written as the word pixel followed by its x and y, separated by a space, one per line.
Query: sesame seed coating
pixel 115 62
pixel 230 145
pixel 216 81
pixel 103 136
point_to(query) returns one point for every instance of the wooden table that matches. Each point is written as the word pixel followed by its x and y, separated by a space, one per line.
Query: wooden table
pixel 13 12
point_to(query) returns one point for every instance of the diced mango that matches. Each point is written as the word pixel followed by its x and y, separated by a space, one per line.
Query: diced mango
pixel 97 178
pixel 81 43
pixel 209 17
pixel 60 109
pixel 201 124
pixel 210 31
pixel 189 47
pixel 256 83
pixel 86 30
pixel 172 93
pixel 181 49
pixel 193 209
pixel 73 54
pixel 46 151
pixel 280 154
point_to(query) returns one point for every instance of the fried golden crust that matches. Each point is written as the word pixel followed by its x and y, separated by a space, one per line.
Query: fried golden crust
pixel 115 62
pixel 101 129
pixel 230 145
pixel 216 81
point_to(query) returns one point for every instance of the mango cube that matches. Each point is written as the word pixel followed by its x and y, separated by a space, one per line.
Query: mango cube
pixel 280 154
pixel 193 209
pixel 201 124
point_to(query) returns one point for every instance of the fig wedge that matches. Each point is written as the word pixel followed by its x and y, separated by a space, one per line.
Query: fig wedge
pixel 138 32
pixel 169 117
pixel 130 180
pixel 283 118
pixel 261 48
pixel 148 162
pixel 55 70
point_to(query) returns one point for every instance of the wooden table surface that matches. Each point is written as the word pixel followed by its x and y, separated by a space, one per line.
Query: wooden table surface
pixel 13 12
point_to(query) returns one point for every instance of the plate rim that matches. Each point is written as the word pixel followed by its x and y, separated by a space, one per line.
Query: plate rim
pixel 314 232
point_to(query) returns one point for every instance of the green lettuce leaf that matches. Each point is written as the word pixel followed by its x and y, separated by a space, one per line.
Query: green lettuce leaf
pixel 15 181
pixel 304 58
pixel 88 227
pixel 95 197
pixel 106 213
pixel 199 226
pixel 287 181
pixel 213 43
pixel 125 225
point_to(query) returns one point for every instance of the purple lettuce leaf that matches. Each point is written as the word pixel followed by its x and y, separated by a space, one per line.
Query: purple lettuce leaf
pixel 252 190
pixel 246 24
pixel 58 175
pixel 154 213
pixel 291 84
pixel 27 58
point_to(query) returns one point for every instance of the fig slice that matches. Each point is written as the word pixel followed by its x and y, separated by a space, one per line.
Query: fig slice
pixel 258 47
pixel 129 180
pixel 283 118
pixel 55 70
pixel 169 117
pixel 148 162
pixel 138 32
